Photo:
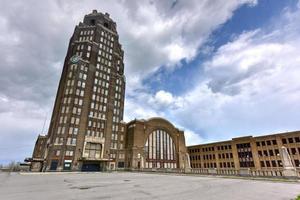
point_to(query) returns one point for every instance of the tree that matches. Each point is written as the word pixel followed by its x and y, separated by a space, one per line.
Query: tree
pixel 13 166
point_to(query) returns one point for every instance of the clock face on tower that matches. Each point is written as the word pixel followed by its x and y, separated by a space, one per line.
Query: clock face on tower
pixel 74 59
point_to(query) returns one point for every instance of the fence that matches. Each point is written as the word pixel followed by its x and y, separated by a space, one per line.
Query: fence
pixel 224 172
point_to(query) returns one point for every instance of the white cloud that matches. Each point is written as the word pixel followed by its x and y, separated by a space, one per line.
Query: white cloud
pixel 249 86
pixel 251 83
pixel 138 110
pixel 192 138
pixel 175 52
pixel 163 36
pixel 164 98
pixel 145 106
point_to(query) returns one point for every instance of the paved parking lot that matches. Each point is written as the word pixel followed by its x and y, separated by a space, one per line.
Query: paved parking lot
pixel 96 186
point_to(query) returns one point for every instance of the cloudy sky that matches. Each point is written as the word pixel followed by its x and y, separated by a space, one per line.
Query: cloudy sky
pixel 217 69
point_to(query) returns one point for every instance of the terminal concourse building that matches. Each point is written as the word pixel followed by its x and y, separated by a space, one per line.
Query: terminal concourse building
pixel 257 153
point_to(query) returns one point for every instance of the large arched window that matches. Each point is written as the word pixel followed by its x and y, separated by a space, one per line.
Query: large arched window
pixel 160 150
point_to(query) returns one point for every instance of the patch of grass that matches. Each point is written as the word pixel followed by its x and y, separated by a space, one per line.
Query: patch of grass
pixel 298 197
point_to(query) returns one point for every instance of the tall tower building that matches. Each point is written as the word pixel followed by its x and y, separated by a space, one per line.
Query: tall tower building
pixel 86 130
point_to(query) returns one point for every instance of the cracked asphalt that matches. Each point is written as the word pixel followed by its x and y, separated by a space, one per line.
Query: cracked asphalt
pixel 126 185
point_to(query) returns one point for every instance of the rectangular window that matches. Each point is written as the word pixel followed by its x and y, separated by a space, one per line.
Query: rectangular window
pixel 82 93
pixel 73 141
pixel 259 153
pixel 59 130
pixel 77 121
pixel 69 141
pixel 284 141
pixel 271 152
pixel 57 153
pixel 92 150
pixel 69 153
pixel 277 152
pixel 71 130
pixel 75 131
pixel 297 163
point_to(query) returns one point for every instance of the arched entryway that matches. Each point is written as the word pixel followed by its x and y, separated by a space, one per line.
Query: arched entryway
pixel 160 150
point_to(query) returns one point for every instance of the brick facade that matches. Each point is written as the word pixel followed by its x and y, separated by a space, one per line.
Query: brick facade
pixel 258 153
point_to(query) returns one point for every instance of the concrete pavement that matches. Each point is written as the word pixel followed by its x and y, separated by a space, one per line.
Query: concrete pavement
pixel 126 185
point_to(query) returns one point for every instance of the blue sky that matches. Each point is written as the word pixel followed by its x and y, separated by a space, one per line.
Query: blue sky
pixel 217 69
pixel 245 18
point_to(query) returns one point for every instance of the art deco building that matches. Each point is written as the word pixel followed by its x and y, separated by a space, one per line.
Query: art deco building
pixel 86 130
pixel 86 124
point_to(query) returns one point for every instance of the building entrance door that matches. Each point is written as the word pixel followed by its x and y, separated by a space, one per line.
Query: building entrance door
pixel 54 164
pixel 139 164
pixel 92 166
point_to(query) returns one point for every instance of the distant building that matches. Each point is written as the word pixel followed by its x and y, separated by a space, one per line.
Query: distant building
pixel 87 132
pixel 37 160
pixel 258 153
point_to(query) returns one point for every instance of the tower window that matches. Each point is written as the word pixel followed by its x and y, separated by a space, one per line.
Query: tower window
pixel 93 22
